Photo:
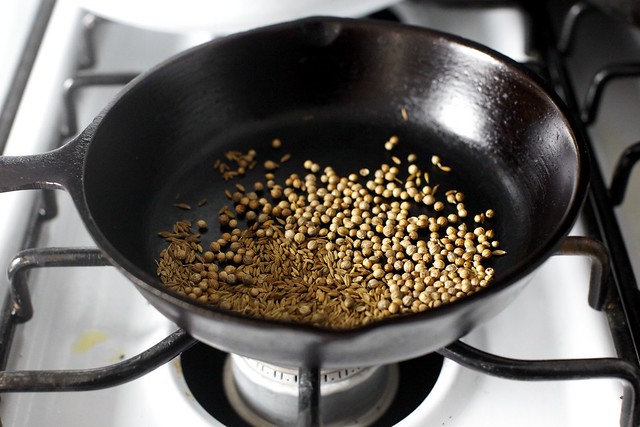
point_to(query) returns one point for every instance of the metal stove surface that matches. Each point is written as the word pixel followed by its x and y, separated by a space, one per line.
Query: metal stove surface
pixel 93 317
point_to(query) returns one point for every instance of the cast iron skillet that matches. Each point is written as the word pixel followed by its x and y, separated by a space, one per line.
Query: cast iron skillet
pixel 332 90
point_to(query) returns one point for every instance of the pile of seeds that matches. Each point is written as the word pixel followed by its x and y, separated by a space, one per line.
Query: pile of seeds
pixel 334 251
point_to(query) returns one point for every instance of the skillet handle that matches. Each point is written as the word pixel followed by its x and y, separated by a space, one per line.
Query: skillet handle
pixel 56 169
pixel 600 265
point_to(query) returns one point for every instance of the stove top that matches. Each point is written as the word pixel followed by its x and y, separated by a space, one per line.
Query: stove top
pixel 92 317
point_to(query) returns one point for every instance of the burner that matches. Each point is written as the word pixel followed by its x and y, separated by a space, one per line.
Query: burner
pixel 241 392
pixel 265 394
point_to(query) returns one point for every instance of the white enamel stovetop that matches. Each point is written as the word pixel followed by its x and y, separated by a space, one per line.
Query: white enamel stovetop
pixel 94 317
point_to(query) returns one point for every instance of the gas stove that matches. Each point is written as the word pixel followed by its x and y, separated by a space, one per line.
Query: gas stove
pixel 106 357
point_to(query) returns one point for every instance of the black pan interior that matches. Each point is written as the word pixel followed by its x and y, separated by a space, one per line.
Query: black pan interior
pixel 332 91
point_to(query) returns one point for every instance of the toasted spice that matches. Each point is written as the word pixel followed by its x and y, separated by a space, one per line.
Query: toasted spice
pixel 241 162
pixel 334 251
